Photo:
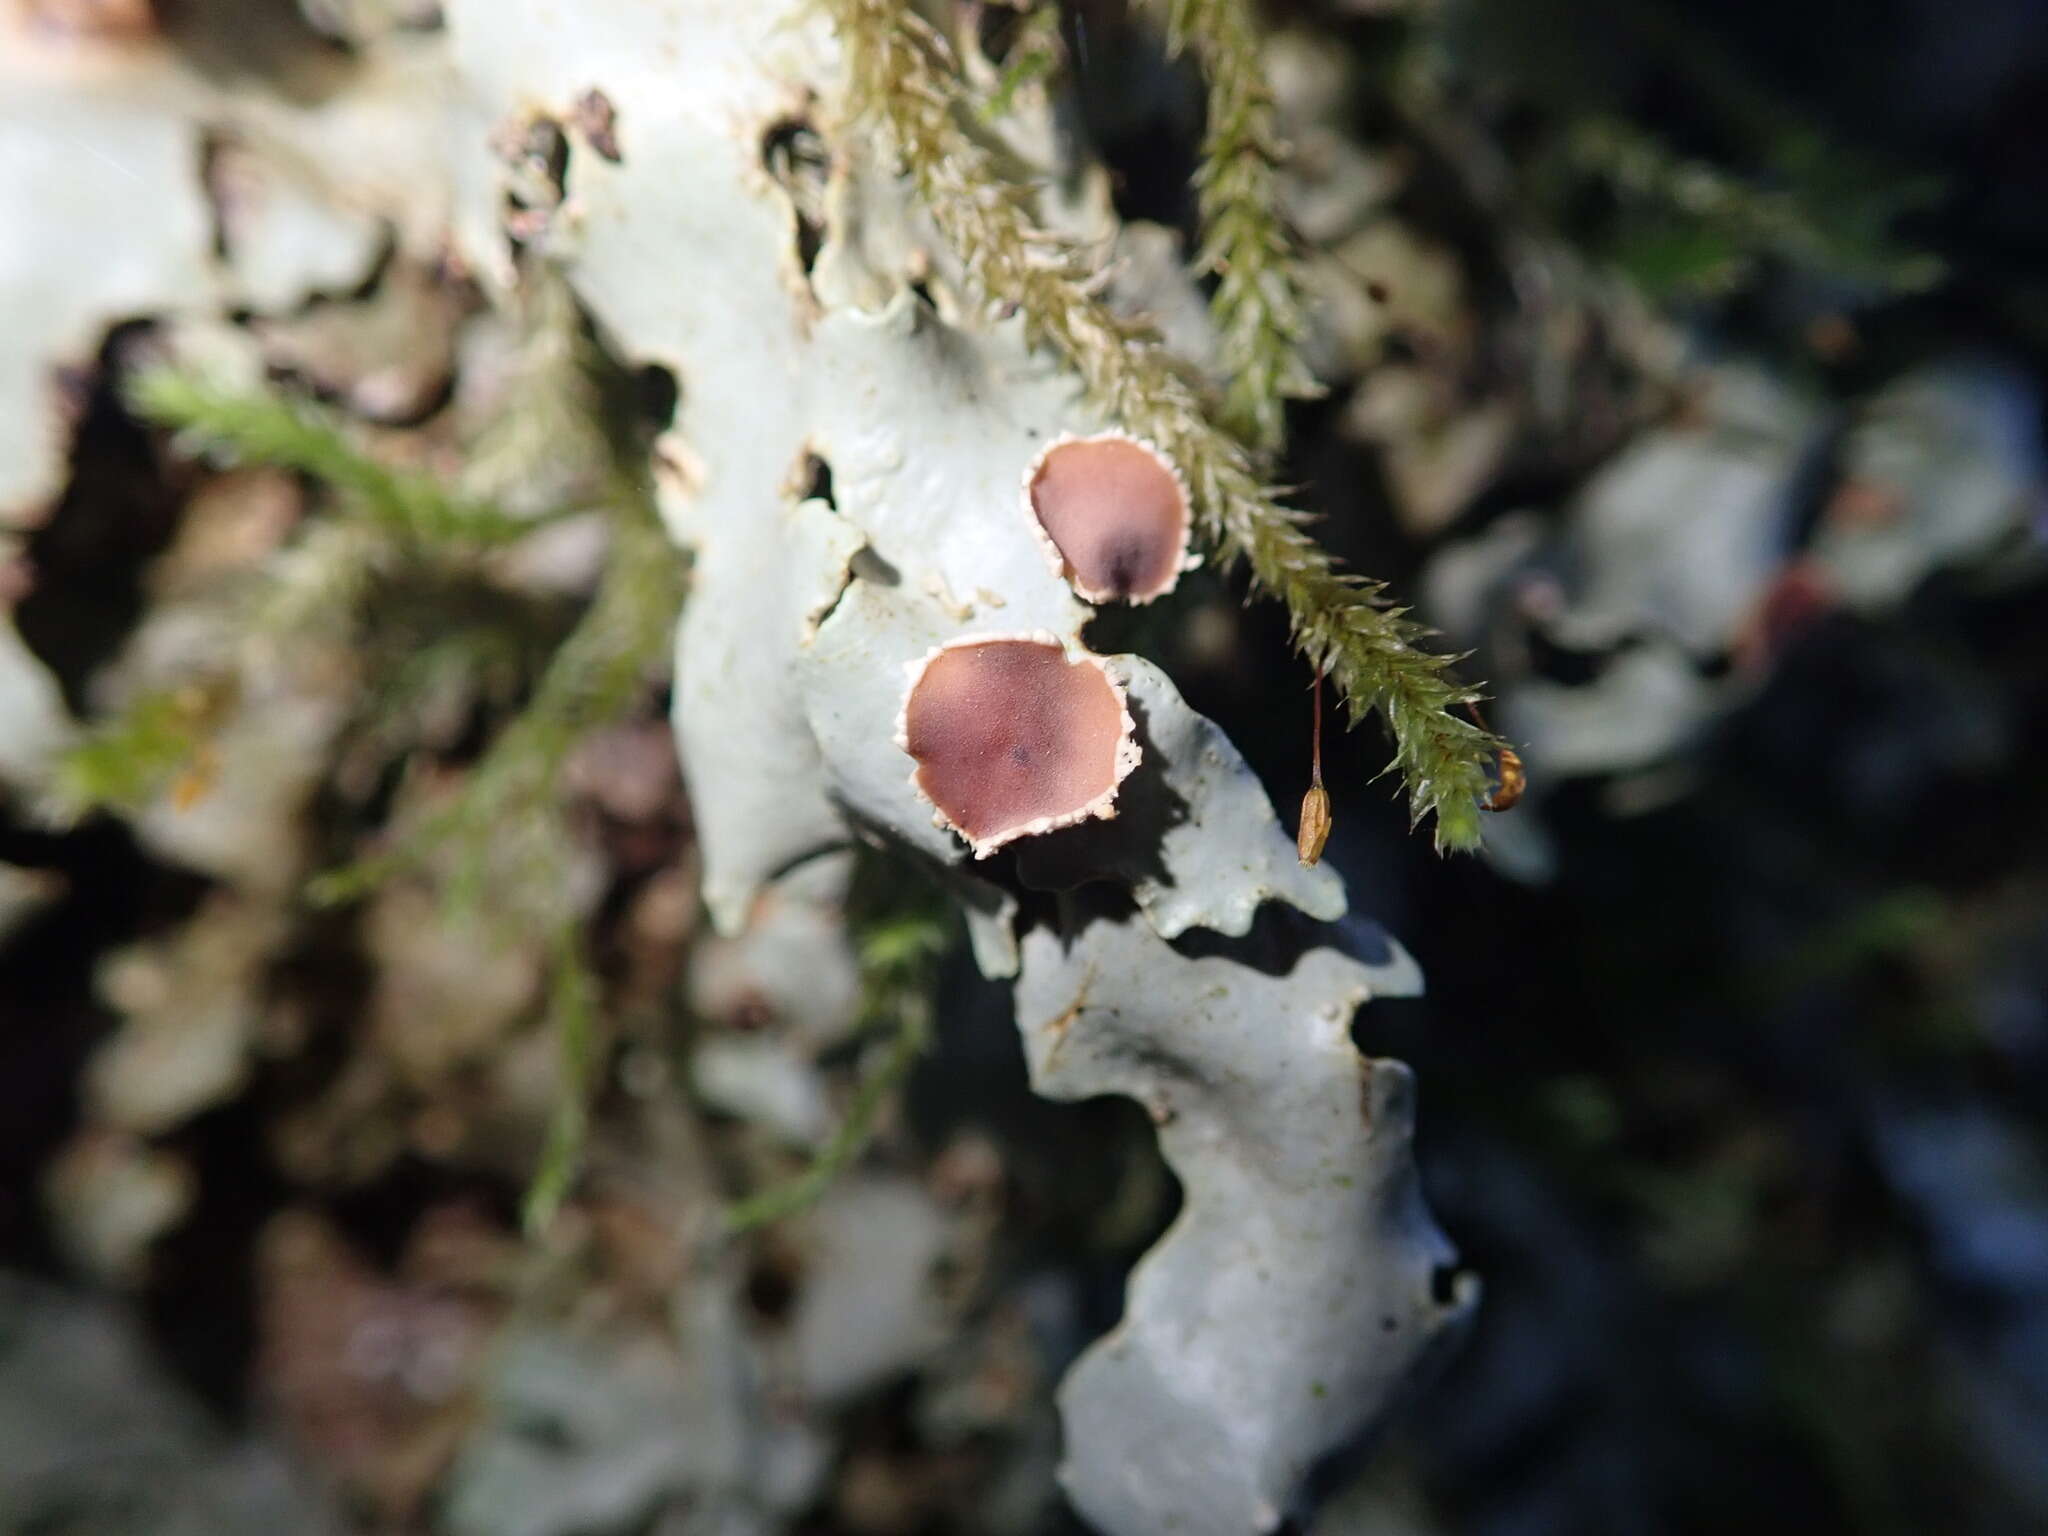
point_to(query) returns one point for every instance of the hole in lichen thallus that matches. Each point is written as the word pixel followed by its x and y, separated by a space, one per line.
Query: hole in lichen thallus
pixel 998 29
pixel 1443 1283
pixel 598 121
pixel 656 394
pixel 212 153
pixel 795 155
pixel 536 156
pixel 818 480
pixel 120 508
pixel 547 148
pixel 773 1281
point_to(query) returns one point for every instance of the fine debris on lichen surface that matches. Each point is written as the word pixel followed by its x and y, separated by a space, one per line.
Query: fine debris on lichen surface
pixel 1258 304
pixel 902 76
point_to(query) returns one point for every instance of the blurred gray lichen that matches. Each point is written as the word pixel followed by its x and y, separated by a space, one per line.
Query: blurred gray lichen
pixel 101 1437
pixel 295 217
pixel 1679 613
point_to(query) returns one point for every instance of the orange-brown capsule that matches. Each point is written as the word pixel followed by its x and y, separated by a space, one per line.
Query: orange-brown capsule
pixel 1512 781
pixel 197 779
pixel 1507 793
pixel 1314 830
pixel 1315 825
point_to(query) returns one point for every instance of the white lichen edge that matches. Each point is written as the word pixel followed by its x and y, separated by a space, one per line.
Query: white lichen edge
pixel 1101 808
pixel 1057 562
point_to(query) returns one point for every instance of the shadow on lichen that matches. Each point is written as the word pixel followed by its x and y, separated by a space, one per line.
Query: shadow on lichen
pixel 1280 935
pixel 1127 848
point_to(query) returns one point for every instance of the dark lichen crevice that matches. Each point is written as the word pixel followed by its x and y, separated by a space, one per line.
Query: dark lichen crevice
pixel 810 479
pixel 535 150
pixel 120 508
pixel 793 152
pixel 817 480
pixel 657 395
pixel 597 119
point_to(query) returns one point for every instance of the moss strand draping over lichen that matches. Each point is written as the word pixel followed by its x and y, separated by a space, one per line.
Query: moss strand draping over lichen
pixel 1257 303
pixel 902 77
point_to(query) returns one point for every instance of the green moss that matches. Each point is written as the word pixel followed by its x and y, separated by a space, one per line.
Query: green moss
pixel 902 79
pixel 1257 303
pixel 126 761
pixel 901 929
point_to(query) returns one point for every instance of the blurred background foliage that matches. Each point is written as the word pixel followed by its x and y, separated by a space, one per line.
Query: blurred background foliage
pixel 385 1145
